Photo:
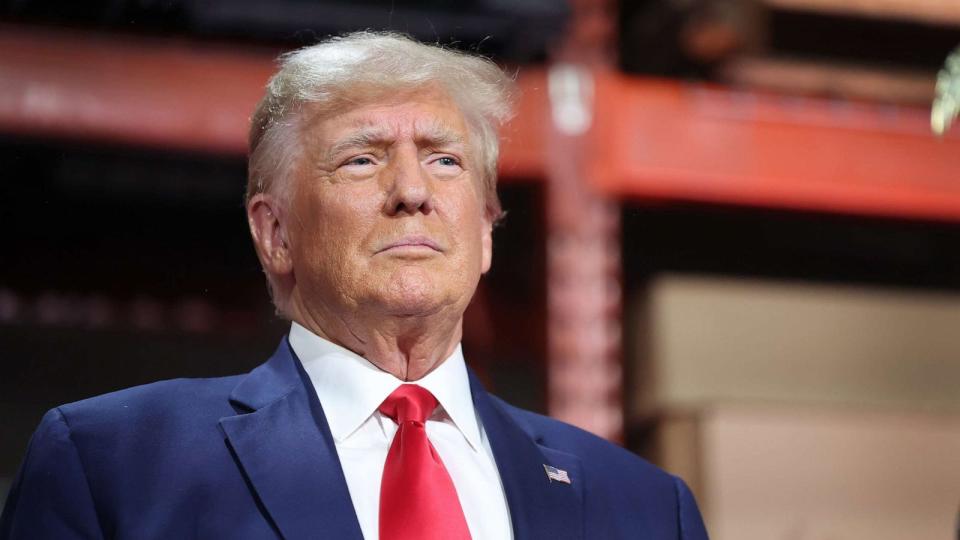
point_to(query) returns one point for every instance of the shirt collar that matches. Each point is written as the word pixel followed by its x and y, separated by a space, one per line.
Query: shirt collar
pixel 350 388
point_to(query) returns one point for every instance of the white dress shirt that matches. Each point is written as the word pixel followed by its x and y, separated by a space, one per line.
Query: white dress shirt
pixel 351 390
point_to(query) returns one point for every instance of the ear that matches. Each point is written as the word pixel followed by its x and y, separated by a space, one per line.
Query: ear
pixel 486 245
pixel 269 234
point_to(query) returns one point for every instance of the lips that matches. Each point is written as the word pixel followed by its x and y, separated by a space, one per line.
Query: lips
pixel 412 242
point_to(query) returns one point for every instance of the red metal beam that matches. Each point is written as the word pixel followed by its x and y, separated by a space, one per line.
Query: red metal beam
pixel 667 140
pixel 650 139
pixel 584 341
pixel 129 91
pixel 170 94
pixel 940 12
pixel 522 149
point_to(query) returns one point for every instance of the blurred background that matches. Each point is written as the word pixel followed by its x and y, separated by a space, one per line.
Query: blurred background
pixel 733 244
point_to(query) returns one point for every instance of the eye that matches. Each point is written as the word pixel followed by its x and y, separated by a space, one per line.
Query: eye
pixel 360 161
pixel 447 161
pixel 359 167
pixel 445 166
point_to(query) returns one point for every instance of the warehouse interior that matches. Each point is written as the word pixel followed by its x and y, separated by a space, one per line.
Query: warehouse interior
pixel 732 242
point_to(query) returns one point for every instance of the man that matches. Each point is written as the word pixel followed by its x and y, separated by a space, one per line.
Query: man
pixel 371 201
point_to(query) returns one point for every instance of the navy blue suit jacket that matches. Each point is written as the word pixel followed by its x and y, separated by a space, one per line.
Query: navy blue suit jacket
pixel 251 456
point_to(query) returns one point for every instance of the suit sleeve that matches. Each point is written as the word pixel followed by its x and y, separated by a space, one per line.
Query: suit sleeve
pixel 50 497
pixel 691 522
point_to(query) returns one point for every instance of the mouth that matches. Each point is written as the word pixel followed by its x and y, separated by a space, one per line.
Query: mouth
pixel 412 244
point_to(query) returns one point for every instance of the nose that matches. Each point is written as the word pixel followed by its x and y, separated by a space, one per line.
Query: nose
pixel 409 190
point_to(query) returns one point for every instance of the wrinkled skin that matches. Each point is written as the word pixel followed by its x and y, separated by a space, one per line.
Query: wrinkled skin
pixel 385 236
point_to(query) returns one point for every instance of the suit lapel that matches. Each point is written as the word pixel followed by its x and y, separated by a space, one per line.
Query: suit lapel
pixel 283 444
pixel 539 507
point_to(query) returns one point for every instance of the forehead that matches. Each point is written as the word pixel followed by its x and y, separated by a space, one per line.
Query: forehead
pixel 423 114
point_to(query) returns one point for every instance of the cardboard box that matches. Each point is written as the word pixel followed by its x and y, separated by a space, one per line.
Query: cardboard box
pixel 698 340
pixel 786 473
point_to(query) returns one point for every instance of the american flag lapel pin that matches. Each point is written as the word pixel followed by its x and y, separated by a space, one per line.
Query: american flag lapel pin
pixel 556 475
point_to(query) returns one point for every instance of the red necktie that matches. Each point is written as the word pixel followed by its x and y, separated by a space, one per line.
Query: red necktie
pixel 417 497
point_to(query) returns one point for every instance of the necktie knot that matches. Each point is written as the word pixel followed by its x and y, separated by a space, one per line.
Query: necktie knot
pixel 409 402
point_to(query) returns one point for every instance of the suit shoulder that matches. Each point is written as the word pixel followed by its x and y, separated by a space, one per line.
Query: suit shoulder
pixel 593 451
pixel 152 402
pixel 626 492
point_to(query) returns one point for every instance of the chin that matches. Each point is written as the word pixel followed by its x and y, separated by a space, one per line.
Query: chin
pixel 412 305
pixel 412 294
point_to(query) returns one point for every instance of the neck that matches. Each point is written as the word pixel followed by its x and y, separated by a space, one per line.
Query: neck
pixel 407 347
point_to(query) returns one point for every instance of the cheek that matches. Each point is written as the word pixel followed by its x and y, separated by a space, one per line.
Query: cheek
pixel 329 226
pixel 340 210
pixel 466 215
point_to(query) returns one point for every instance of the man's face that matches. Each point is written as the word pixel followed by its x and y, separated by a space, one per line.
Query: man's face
pixel 386 212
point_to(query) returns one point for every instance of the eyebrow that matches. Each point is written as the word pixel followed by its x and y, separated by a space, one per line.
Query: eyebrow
pixel 430 135
pixel 370 136
pixel 437 134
